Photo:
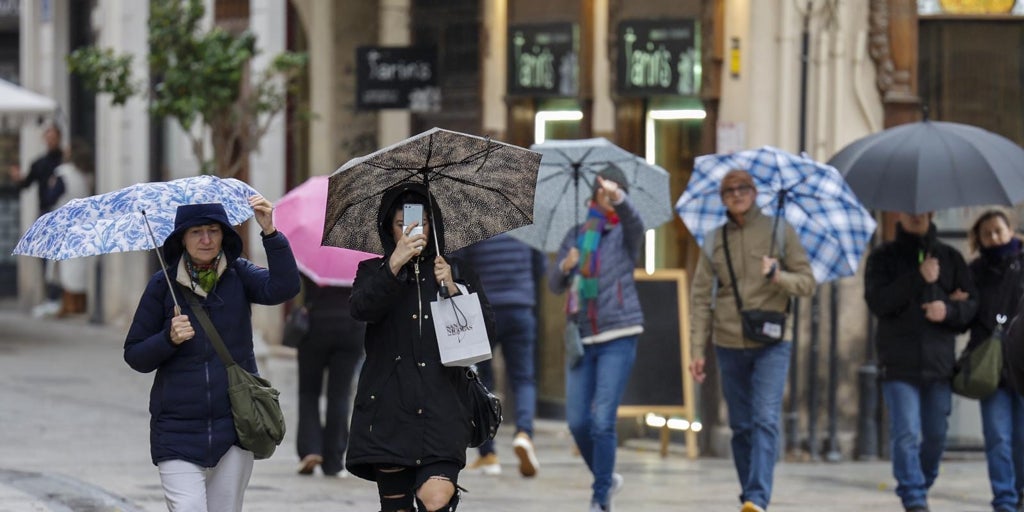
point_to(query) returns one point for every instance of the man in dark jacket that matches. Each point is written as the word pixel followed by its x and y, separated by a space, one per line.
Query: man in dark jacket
pixel 923 295
pixel 509 271
pixel 41 173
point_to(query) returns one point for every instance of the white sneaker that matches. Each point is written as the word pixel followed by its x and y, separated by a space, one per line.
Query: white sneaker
pixel 617 482
pixel 46 309
pixel 487 465
pixel 523 446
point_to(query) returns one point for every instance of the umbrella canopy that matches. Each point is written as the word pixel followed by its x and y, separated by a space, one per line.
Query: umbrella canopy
pixel 488 186
pixel 299 214
pixel 933 165
pixel 832 225
pixel 566 178
pixel 115 222
pixel 18 103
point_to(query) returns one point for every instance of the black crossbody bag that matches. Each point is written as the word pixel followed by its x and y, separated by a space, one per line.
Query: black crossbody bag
pixel 760 325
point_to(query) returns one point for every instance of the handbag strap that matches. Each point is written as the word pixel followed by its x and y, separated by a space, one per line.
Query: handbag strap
pixel 211 331
pixel 732 274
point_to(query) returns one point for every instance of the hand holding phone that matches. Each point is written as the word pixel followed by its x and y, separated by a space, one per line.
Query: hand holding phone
pixel 412 213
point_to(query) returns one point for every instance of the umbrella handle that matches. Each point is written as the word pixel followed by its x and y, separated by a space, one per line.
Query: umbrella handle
pixel 163 264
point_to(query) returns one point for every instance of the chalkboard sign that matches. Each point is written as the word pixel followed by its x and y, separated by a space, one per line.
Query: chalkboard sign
pixel 660 382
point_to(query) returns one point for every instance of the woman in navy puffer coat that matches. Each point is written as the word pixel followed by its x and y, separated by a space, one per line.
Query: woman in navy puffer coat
pixel 192 434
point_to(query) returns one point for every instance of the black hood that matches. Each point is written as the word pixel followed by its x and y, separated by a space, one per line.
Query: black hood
pixel 393 199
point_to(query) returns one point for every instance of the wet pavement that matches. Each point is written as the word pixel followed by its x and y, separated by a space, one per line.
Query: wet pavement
pixel 75 426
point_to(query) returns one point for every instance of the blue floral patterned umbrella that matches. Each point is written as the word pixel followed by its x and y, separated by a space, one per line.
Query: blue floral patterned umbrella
pixel 115 222
pixel 833 226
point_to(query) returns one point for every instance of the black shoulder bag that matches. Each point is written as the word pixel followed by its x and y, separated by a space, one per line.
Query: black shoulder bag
pixel 484 410
pixel 760 325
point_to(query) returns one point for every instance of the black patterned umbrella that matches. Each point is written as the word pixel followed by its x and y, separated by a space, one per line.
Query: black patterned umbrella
pixel 482 187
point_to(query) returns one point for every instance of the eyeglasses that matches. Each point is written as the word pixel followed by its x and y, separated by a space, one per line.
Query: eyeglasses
pixel 741 190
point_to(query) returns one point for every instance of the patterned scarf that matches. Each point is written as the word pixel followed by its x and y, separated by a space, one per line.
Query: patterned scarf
pixel 590 258
pixel 203 275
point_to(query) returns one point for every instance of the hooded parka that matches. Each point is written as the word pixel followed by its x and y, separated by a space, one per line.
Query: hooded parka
pixel 188 403
pixel 409 409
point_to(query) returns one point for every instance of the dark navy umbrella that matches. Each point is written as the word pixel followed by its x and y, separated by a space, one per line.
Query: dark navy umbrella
pixel 933 165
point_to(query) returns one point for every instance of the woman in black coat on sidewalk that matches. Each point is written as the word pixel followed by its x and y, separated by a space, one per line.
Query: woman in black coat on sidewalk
pixel 997 272
pixel 334 344
pixel 410 427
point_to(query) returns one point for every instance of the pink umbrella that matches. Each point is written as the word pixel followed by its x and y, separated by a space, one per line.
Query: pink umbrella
pixel 299 214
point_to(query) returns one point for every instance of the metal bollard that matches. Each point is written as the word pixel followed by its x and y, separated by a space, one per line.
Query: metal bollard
pixel 867 414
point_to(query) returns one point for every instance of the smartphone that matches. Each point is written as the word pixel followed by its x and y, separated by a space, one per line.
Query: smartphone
pixel 412 213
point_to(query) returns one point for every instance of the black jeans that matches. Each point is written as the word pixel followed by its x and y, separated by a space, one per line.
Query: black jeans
pixel 340 359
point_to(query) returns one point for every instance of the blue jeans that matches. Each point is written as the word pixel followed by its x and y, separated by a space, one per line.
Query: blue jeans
pixel 516 328
pixel 593 390
pixel 753 381
pixel 918 419
pixel 1002 420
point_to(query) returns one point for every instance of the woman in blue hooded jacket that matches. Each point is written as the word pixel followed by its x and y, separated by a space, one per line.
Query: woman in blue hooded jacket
pixel 192 433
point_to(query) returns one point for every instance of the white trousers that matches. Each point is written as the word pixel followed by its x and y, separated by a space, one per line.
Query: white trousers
pixel 192 488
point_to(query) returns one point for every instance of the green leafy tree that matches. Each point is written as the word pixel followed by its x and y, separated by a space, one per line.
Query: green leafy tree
pixel 199 77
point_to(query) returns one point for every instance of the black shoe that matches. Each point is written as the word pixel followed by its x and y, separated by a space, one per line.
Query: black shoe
pixel 917 509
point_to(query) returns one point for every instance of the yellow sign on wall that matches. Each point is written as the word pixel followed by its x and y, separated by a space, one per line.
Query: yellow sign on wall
pixel 977 6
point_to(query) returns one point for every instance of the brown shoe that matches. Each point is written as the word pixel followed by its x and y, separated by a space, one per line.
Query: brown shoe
pixel 523 447
pixel 309 463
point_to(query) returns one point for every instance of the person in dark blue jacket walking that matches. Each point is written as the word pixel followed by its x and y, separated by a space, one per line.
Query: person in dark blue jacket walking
pixel 192 433
pixel 509 271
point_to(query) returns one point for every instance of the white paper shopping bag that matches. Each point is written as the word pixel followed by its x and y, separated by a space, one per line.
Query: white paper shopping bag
pixel 461 332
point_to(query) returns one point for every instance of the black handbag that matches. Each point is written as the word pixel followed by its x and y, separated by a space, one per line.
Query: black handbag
pixel 484 410
pixel 760 325
pixel 296 327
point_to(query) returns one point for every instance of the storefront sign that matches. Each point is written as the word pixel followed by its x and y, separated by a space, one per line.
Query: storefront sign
pixel 542 60
pixel 397 77
pixel 658 57
pixel 970 7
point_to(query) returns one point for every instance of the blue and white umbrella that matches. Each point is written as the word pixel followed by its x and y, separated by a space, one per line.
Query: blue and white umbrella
pixel 114 222
pixel 833 226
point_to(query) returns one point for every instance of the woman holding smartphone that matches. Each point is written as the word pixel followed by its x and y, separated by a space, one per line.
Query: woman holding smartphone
pixel 409 425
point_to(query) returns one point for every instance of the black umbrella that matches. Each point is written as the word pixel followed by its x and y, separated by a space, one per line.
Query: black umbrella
pixel 932 165
pixel 483 188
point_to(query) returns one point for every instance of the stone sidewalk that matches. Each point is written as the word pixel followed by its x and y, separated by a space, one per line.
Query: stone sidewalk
pixel 74 422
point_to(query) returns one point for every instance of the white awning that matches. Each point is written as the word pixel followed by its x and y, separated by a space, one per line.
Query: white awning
pixel 19 100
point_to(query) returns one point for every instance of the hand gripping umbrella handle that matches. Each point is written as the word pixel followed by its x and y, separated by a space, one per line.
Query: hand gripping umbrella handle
pixel 163 264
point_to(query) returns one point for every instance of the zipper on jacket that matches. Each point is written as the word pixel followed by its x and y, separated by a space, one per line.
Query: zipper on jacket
pixel 419 296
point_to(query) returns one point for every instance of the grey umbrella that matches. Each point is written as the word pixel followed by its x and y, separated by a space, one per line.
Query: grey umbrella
pixel 568 169
pixel 933 165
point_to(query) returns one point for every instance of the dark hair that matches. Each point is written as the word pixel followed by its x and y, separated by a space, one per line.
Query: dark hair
pixel 974 235
pixel 80 154
pixel 611 173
